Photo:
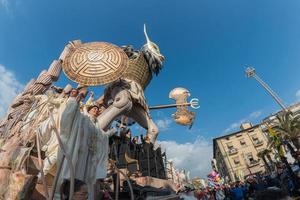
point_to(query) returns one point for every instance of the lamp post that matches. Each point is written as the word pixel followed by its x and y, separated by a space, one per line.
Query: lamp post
pixel 250 72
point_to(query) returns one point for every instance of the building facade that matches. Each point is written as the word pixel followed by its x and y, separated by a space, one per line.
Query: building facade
pixel 272 120
pixel 235 154
pixel 180 177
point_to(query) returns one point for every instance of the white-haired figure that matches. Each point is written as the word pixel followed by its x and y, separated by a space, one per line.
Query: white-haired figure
pixel 55 106
pixel 85 142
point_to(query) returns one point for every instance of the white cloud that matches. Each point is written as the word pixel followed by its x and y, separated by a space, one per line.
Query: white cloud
pixel 298 94
pixel 163 124
pixel 10 87
pixel 234 126
pixel 255 114
pixel 252 116
pixel 4 4
pixel 10 6
pixel 194 157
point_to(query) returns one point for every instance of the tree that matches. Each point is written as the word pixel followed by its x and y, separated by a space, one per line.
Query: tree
pixel 288 127
pixel 263 154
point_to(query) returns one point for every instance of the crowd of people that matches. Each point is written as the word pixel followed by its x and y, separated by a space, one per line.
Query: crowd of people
pixel 277 185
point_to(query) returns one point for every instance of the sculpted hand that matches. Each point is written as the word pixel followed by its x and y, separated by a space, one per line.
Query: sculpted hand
pixel 80 97
pixel 92 94
pixel 112 131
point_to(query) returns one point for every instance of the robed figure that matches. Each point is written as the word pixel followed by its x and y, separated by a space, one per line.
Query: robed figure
pixel 85 143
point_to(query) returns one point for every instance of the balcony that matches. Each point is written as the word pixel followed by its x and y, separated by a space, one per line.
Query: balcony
pixel 258 143
pixel 252 163
pixel 232 151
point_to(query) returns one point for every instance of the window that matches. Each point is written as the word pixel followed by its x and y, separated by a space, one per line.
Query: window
pixel 229 145
pixel 231 149
pixel 238 134
pixel 242 142
pixel 256 141
pixel 236 160
pixel 254 137
pixel 250 159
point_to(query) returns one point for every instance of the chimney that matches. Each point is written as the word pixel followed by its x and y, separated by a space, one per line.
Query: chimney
pixel 245 125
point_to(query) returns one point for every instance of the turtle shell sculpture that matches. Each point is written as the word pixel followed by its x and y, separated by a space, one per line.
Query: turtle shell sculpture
pixel 94 63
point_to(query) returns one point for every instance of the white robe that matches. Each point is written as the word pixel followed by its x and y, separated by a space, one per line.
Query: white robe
pixel 75 130
pixel 85 142
pixel 103 151
pixel 48 139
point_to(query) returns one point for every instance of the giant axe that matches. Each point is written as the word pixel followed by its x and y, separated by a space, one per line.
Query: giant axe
pixel 182 116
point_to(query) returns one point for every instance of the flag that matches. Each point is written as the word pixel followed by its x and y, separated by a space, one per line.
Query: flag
pixel 277 141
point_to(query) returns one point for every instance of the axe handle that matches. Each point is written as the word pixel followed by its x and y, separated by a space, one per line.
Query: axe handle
pixel 169 106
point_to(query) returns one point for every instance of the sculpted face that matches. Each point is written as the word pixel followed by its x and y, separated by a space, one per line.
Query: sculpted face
pixel 73 93
pixel 152 55
pixel 82 193
pixel 94 111
pixel 153 48
pixel 101 110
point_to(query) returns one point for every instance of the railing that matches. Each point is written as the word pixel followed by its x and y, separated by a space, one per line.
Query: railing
pixel 252 163
pixel 258 143
pixel 120 172
pixel 232 151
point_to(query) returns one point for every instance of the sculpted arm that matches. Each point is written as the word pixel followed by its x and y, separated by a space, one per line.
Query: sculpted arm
pixel 111 132
pixel 88 103
pixel 68 116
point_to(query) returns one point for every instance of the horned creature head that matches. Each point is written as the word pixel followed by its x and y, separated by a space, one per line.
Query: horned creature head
pixel 152 54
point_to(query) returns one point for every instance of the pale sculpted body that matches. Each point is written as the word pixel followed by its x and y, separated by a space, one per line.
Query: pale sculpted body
pixel 46 131
pixel 126 96
pixel 85 143
pixel 22 104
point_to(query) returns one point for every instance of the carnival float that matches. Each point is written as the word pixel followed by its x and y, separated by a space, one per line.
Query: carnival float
pixel 51 134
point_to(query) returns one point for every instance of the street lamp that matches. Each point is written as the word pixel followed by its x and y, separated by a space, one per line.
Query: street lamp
pixel 250 72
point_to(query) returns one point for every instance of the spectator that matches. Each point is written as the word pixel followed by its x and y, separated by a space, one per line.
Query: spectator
pixel 272 193
pixel 80 190
pixel 220 194
pixel 237 192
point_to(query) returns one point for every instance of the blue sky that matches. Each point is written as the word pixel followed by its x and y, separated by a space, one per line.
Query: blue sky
pixel 205 42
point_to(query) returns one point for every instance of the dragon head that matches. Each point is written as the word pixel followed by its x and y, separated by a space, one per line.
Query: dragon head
pixel 152 54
